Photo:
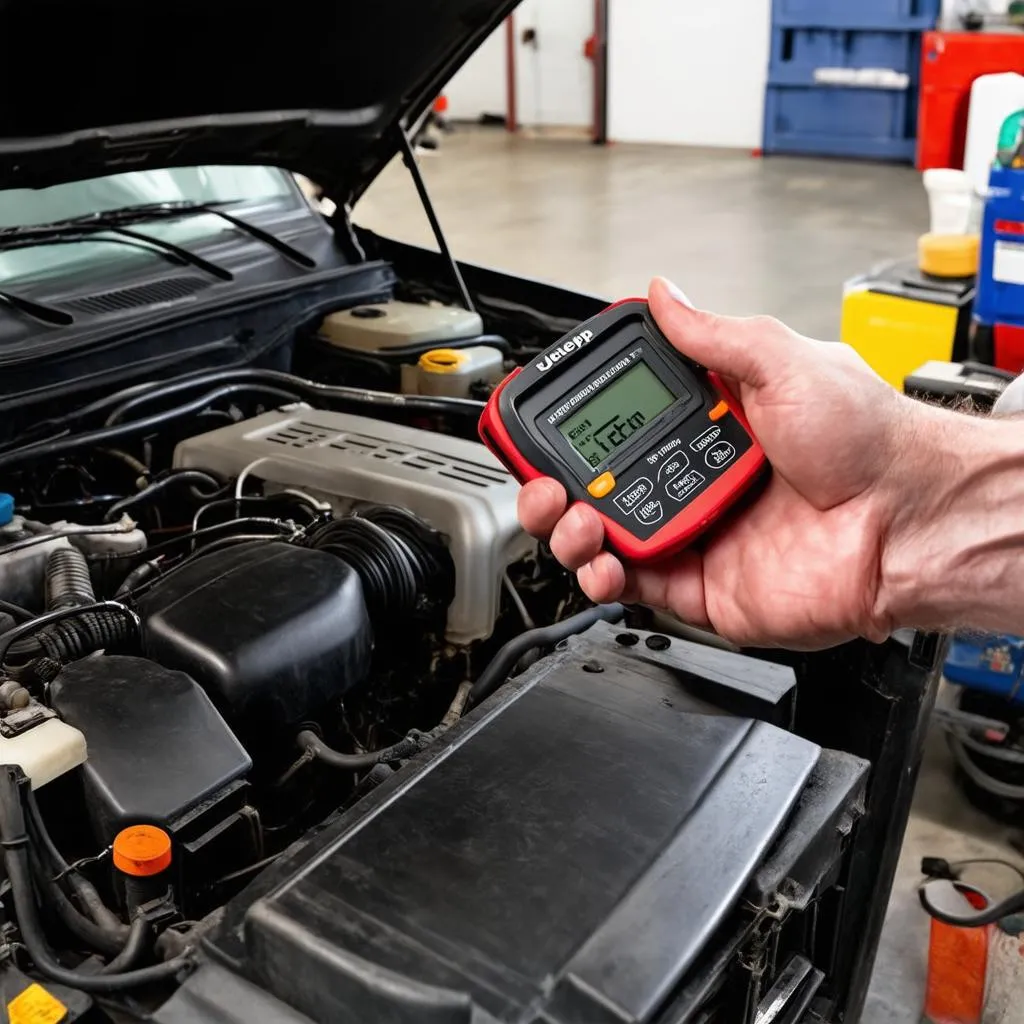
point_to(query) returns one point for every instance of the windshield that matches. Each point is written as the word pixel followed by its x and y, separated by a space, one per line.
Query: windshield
pixel 261 186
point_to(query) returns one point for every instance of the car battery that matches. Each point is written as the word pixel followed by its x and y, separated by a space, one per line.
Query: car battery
pixel 990 662
pixel 898 318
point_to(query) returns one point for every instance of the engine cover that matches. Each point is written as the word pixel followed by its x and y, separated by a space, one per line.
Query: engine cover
pixel 592 845
pixel 273 633
pixel 456 486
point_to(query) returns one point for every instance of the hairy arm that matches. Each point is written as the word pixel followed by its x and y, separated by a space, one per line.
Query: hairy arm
pixel 954 551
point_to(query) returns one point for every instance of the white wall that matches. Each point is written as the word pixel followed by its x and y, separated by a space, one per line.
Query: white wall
pixel 688 71
pixel 479 86
pixel 950 8
pixel 554 80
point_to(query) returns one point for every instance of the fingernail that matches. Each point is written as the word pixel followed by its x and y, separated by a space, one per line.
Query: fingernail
pixel 678 294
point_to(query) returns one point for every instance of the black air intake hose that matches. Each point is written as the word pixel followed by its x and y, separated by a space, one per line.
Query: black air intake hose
pixel 403 563
pixel 68 586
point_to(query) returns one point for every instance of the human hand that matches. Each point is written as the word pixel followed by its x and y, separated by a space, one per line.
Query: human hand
pixel 801 567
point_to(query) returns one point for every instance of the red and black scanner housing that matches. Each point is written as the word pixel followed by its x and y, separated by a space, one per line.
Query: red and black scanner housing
pixel 660 486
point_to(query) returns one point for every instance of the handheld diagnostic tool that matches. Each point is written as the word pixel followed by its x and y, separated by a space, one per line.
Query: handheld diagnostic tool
pixel 654 442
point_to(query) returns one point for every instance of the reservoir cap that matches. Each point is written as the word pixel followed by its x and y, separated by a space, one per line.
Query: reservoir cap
pixel 142 851
pixel 6 508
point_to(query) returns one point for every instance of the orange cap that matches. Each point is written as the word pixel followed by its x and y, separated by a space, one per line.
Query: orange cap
pixel 142 850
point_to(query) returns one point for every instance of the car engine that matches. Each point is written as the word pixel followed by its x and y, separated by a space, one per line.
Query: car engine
pixel 304 727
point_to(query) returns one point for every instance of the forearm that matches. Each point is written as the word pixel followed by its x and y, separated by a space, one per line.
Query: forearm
pixel 953 554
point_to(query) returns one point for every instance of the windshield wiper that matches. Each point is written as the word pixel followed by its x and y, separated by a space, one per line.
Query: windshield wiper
pixel 187 207
pixel 36 310
pixel 80 229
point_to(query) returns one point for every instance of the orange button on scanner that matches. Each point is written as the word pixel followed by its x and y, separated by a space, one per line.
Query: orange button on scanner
pixel 719 410
pixel 142 851
pixel 602 485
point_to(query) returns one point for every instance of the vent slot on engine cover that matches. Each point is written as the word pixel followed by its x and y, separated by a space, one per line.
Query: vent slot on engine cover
pixel 456 486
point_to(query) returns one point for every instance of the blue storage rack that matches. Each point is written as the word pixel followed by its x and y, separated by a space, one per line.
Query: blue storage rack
pixel 826 120
pixel 894 15
pixel 804 115
pixel 796 53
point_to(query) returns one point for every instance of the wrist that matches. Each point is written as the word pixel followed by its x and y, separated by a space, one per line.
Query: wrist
pixel 952 551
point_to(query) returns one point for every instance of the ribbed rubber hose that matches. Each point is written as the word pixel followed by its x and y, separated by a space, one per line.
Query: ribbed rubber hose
pixel 69 586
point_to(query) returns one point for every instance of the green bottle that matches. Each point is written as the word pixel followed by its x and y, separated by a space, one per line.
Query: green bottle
pixel 1008 147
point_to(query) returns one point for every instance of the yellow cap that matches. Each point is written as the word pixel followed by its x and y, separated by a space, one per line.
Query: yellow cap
pixel 442 360
pixel 948 255
pixel 142 850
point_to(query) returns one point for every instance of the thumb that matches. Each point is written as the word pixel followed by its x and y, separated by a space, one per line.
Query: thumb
pixel 745 350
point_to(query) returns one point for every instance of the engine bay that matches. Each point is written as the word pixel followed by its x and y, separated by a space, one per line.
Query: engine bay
pixel 282 618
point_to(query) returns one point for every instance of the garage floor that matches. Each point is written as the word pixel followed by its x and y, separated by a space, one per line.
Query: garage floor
pixel 741 236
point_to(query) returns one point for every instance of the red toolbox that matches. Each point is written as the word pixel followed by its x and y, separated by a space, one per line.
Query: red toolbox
pixel 1009 347
pixel 950 62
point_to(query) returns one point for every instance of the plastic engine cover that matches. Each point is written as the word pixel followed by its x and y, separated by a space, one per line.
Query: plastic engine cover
pixel 455 485
pixel 272 632
pixel 157 746
pixel 565 858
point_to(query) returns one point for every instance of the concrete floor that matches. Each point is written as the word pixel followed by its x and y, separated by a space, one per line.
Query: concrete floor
pixel 741 236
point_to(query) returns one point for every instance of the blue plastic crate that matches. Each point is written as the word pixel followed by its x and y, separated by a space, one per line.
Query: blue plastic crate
pixel 857 14
pixel 990 662
pixel 797 53
pixel 1000 294
pixel 876 124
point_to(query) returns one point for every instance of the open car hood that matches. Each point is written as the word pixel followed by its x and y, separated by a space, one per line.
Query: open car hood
pixel 321 87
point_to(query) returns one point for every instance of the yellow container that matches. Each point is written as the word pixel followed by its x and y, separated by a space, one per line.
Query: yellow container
pixel 898 318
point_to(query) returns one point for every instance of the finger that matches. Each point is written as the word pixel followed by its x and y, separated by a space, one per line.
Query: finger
pixel 541 504
pixel 578 536
pixel 744 349
pixel 603 578
pixel 677 587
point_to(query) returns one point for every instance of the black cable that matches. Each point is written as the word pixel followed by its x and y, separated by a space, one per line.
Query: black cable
pixel 157 487
pixel 281 527
pixel 84 889
pixel 934 894
pixel 957 865
pixel 16 611
pixel 308 505
pixel 224 391
pixel 300 387
pixel 69 588
pixel 134 948
pixel 82 927
pixel 93 438
pixel 139 575
pixel 315 747
pixel 49 618
pixel 15 842
pixel 544 636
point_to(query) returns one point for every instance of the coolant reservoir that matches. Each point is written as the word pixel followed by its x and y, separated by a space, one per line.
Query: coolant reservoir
pixel 451 372
pixel 377 329
pixel 44 752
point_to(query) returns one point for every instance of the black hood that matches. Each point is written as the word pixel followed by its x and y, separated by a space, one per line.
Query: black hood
pixel 319 86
